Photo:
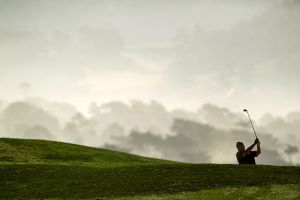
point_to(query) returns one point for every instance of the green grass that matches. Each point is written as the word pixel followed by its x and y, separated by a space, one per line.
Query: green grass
pixel 43 169
pixel 229 193
pixel 289 192
pixel 20 151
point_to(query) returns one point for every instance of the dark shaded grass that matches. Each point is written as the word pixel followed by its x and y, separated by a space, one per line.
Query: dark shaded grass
pixel 60 181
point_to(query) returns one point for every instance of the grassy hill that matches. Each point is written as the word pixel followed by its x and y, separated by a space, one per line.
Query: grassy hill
pixel 20 151
pixel 44 169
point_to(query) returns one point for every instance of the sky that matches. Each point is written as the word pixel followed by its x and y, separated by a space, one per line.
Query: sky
pixel 184 54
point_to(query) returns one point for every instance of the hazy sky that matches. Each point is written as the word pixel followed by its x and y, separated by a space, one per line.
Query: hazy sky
pixel 232 53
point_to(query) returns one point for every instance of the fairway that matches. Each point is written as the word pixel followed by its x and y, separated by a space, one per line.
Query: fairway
pixel 43 169
pixel 263 193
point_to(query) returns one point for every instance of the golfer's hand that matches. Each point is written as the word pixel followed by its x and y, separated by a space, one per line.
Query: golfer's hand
pixel 257 141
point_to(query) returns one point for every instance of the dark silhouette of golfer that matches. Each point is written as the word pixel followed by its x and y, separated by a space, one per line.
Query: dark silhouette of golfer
pixel 247 156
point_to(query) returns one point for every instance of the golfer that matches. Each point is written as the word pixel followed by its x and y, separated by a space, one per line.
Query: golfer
pixel 247 156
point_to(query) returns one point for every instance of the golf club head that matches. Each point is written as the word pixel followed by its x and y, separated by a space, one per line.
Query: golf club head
pixel 245 110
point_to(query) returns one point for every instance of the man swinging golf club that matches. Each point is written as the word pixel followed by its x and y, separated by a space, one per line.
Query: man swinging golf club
pixel 248 156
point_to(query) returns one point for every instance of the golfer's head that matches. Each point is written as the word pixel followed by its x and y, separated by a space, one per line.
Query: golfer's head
pixel 240 146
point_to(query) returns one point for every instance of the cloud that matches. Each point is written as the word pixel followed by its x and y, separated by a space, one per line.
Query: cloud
pixel 146 65
pixel 236 67
pixel 108 85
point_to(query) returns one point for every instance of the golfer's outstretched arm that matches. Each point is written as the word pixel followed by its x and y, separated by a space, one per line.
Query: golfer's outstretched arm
pixel 248 150
pixel 258 149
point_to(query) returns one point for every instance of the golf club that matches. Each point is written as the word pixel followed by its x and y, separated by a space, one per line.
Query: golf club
pixel 245 110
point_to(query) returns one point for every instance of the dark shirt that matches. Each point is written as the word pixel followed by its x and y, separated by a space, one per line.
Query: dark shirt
pixel 247 159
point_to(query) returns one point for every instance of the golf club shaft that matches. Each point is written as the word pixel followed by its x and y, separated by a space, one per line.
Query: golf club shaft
pixel 252 124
